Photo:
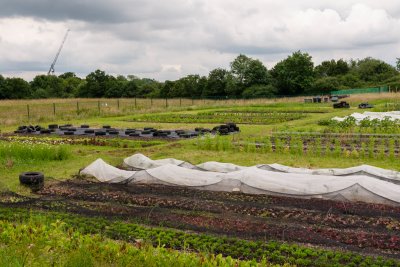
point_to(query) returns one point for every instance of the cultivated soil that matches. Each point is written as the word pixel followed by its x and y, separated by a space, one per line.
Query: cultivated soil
pixel 364 228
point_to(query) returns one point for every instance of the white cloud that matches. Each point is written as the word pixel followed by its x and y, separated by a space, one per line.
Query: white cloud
pixel 170 39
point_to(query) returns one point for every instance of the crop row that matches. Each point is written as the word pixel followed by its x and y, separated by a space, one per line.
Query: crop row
pixel 56 141
pixel 217 117
pixel 36 243
pixel 350 125
pixel 319 146
pixel 274 252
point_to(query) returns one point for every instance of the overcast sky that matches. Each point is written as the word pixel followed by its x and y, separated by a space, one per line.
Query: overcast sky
pixel 168 39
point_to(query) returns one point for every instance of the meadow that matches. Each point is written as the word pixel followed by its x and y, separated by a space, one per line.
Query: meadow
pixel 76 221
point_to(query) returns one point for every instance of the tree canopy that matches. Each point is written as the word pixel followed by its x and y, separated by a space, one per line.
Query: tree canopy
pixel 246 77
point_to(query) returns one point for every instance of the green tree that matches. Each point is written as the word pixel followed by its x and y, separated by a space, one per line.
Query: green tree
pixel 325 85
pixel 17 88
pixel 3 88
pixel 260 91
pixel 44 86
pixel 332 68
pixel 72 84
pixel 115 86
pixel 216 84
pixel 373 70
pixel 248 72
pixel 96 84
pixel 294 75
pixel 167 89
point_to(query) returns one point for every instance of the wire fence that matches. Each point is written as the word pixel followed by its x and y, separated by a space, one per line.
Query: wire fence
pixel 15 111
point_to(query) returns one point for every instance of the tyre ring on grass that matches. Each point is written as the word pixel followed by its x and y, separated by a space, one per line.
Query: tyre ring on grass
pixel 31 178
pixel 129 132
pixel 106 126
pixel 71 129
pixel 89 131
pixel 45 131
pixel 84 126
pixel 113 132
pixel 101 133
pixel 53 126
pixel 69 133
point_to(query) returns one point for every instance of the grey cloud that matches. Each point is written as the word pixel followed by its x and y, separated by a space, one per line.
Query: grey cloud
pixel 99 11
pixel 145 36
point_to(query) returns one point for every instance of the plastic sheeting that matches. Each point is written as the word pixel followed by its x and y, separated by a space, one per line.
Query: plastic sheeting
pixel 255 180
pixel 141 162
pixel 392 115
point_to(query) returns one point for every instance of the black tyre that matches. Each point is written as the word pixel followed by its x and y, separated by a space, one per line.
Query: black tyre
pixel 113 132
pixel 84 126
pixel 106 126
pixel 31 178
pixel 53 126
pixel 101 133
pixel 71 129
pixel 146 132
pixel 45 131
pixel 89 131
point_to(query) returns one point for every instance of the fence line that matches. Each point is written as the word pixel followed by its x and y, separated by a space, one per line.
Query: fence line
pixel 14 111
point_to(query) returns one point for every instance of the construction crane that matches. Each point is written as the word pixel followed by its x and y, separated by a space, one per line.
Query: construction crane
pixel 51 70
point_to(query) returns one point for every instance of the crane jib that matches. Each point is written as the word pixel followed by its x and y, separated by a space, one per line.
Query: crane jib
pixel 51 70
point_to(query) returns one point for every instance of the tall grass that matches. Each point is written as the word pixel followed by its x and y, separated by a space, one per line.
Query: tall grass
pixel 39 152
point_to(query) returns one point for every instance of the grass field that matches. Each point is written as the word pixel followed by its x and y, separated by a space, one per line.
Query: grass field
pixel 188 230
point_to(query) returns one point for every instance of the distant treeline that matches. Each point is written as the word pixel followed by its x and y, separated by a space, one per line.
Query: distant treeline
pixel 246 78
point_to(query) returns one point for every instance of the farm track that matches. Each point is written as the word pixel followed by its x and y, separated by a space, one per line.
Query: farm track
pixel 359 227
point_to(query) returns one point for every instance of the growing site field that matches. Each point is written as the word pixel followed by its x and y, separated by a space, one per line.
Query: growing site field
pixel 189 226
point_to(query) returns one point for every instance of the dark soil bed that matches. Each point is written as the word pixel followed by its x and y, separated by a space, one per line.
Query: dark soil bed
pixel 360 227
